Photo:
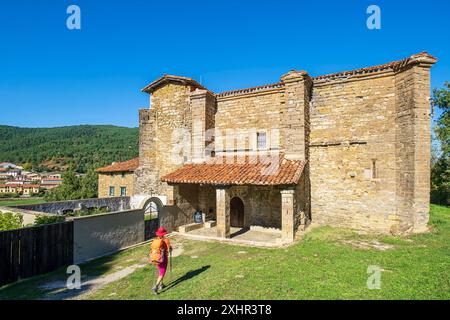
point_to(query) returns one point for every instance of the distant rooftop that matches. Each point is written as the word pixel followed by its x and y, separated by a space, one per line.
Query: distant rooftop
pixel 126 166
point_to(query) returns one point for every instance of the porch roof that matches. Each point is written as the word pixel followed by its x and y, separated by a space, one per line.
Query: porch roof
pixel 239 171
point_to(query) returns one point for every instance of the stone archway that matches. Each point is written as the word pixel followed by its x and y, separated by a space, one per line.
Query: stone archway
pixel 237 213
pixel 152 207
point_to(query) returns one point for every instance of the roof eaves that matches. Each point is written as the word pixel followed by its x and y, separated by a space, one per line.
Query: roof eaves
pixel 170 78
pixel 397 65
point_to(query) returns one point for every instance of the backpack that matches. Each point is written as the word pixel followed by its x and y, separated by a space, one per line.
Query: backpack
pixel 156 251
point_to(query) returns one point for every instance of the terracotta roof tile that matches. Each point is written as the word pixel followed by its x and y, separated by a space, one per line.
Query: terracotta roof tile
pixel 394 65
pixel 126 166
pixel 270 170
pixel 252 89
pixel 171 78
pixel 19 185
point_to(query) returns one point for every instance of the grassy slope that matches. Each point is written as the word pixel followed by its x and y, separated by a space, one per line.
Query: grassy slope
pixel 16 202
pixel 319 267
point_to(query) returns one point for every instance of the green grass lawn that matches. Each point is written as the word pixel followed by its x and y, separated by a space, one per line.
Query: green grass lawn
pixel 19 201
pixel 326 264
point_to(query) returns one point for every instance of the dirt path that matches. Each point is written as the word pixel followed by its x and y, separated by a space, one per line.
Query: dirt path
pixel 91 284
pixel 87 286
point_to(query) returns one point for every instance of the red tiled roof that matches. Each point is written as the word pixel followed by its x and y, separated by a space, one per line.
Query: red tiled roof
pixel 272 170
pixel 394 65
pixel 49 185
pixel 126 166
pixel 252 89
pixel 31 185
pixel 19 185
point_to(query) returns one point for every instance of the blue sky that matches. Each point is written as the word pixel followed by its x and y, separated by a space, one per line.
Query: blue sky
pixel 52 76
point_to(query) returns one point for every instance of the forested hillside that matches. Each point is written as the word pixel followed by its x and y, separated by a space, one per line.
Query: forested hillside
pixel 59 148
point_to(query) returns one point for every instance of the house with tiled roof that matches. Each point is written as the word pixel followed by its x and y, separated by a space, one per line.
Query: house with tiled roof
pixel 348 149
pixel 117 179
pixel 26 189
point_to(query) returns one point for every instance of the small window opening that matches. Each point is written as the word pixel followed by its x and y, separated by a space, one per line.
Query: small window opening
pixel 374 168
pixel 261 140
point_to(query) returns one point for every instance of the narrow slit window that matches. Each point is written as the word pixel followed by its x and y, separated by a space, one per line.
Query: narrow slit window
pixel 374 168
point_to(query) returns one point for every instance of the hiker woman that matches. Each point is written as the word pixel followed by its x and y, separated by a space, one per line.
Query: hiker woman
pixel 159 256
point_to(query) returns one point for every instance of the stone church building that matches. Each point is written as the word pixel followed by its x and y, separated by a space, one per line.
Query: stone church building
pixel 349 149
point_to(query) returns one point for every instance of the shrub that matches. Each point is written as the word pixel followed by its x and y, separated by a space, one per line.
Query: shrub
pixel 88 212
pixel 40 220
pixel 9 220
pixel 9 195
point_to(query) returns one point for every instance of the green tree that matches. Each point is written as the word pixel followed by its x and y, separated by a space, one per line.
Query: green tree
pixel 70 188
pixel 89 184
pixel 27 166
pixel 441 100
pixel 74 187
pixel 10 221
pixel 440 170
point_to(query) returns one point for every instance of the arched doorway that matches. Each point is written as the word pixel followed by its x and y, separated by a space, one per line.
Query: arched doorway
pixel 152 208
pixel 236 212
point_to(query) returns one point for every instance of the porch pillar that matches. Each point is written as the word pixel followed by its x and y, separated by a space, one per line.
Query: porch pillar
pixel 287 215
pixel 223 212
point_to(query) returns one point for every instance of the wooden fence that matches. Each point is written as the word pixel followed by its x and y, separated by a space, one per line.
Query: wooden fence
pixel 36 250
pixel 150 228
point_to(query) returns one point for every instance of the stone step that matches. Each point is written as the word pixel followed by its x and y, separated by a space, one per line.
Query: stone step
pixel 189 227
pixel 210 224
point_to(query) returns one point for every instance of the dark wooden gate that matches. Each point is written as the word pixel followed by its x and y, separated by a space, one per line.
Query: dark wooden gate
pixel 36 250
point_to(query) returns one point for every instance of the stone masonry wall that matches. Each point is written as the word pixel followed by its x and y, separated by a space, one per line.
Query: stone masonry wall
pixel 207 201
pixel 116 180
pixel 413 148
pixel 262 205
pixel 161 130
pixel 302 195
pixel 245 115
pixel 186 202
pixel 203 106
pixel 353 125
pixel 370 151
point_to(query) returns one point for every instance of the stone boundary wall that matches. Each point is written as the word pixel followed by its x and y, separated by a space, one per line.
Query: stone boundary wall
pixel 103 234
pixel 59 207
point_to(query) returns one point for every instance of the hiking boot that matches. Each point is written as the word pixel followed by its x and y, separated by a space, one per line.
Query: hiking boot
pixel 161 286
pixel 155 290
